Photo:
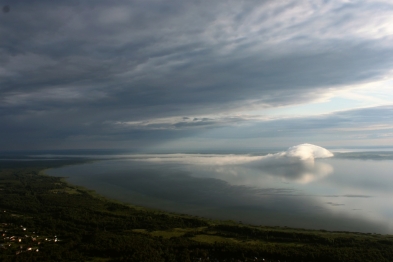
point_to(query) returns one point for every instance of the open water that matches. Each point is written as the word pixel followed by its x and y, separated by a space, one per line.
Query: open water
pixel 347 192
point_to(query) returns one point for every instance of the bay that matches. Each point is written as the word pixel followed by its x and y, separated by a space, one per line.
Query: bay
pixel 347 192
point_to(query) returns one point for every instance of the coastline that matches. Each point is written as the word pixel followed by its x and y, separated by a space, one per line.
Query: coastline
pixel 170 189
pixel 89 226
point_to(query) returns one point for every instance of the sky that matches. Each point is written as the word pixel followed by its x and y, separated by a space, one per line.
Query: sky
pixel 189 76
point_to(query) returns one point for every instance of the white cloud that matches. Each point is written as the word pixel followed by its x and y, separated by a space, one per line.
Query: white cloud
pixel 296 164
pixel 308 152
pixel 303 152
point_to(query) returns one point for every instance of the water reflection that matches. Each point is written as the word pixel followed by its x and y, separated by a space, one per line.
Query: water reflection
pixel 297 164
pixel 297 171
pixel 333 194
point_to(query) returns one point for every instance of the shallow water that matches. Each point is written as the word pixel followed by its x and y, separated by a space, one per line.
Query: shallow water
pixel 349 192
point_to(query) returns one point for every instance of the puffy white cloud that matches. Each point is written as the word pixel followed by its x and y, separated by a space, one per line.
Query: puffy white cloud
pixel 296 164
pixel 308 151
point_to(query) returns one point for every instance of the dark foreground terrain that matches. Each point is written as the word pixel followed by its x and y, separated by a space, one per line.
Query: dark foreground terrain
pixel 43 218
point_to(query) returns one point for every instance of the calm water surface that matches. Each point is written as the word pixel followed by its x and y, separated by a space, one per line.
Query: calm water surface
pixel 350 192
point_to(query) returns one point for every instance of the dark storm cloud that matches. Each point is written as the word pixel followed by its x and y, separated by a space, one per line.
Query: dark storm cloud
pixel 6 8
pixel 69 68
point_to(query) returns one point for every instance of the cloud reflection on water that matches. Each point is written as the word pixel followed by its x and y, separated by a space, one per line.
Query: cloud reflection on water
pixel 293 168
pixel 297 164
pixel 288 188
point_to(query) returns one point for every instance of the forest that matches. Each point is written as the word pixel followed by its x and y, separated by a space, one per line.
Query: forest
pixel 44 218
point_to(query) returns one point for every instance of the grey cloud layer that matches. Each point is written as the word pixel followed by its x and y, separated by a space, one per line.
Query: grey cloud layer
pixel 374 121
pixel 67 69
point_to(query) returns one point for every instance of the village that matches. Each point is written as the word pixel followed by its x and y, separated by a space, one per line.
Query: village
pixel 20 239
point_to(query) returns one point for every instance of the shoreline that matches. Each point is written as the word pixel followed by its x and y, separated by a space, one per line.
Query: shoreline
pixel 129 203
pixel 73 223
pixel 159 191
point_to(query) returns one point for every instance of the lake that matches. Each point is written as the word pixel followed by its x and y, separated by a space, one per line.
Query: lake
pixel 303 187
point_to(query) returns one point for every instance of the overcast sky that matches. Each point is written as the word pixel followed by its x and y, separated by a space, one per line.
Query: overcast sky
pixel 183 75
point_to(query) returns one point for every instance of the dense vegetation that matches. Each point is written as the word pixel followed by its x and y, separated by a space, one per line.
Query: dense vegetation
pixel 43 218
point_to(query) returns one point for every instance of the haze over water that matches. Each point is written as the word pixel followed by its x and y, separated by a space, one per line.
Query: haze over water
pixel 305 186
